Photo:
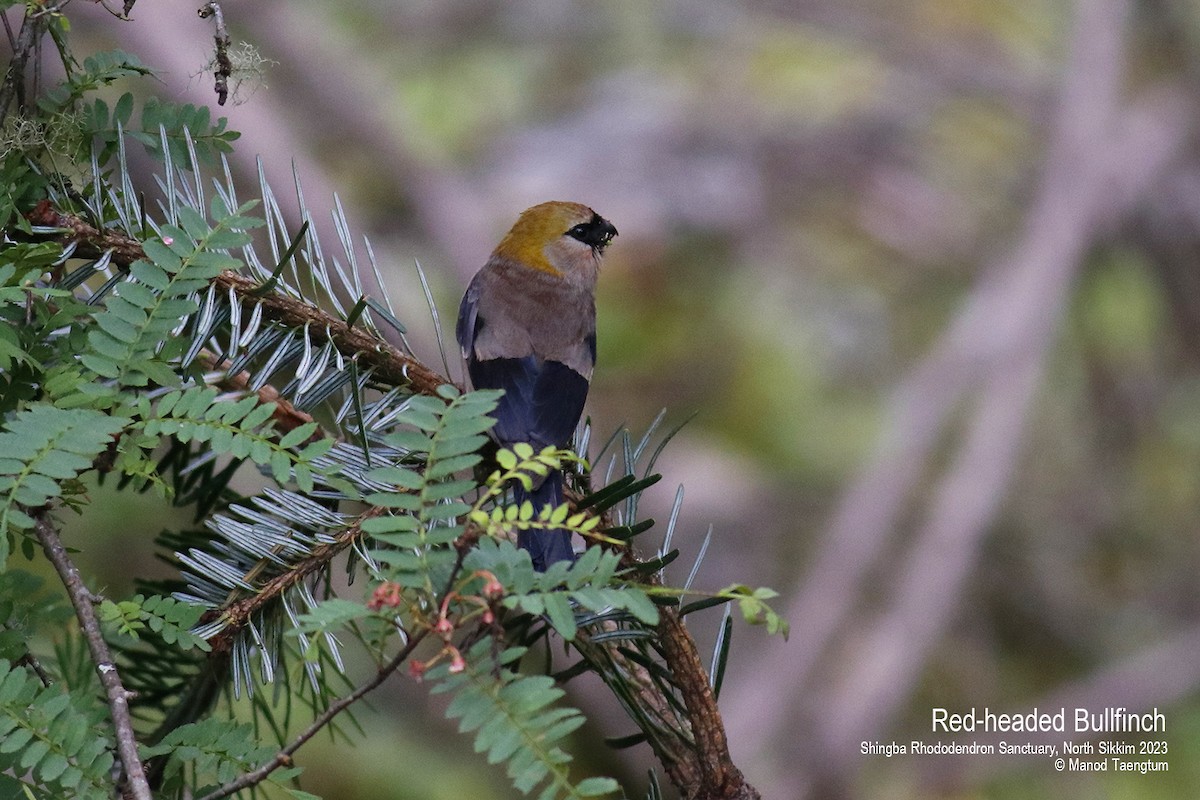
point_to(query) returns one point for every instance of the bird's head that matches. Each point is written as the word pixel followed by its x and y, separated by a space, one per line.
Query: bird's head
pixel 563 239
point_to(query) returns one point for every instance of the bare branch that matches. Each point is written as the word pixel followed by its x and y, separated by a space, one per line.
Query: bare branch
pixel 222 66
pixel 29 660
pixel 719 778
pixel 14 79
pixel 118 698
pixel 284 757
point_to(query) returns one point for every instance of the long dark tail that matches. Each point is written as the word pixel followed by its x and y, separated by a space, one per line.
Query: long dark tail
pixel 545 546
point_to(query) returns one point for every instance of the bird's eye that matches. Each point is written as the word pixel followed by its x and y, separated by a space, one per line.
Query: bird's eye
pixel 596 233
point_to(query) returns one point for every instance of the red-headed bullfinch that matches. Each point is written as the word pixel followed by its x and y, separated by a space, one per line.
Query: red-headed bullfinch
pixel 527 325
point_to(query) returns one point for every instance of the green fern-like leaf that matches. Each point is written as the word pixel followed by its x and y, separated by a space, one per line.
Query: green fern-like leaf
pixel 99 69
pixel 175 123
pixel 211 751
pixel 564 591
pixel 516 722
pixel 170 619
pixel 132 342
pixel 242 429
pixel 427 504
pixel 45 738
pixel 42 448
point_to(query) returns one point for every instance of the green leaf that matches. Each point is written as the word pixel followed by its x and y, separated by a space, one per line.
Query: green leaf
pixel 398 476
pixel 596 787
pixel 509 713
pixel 506 458
pixel 639 605
pixel 52 767
pixel 561 615
pixel 298 435
pixel 44 445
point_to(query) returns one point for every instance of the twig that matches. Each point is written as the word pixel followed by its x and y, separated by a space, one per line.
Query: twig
pixel 14 79
pixel 29 660
pixel 287 417
pixel 700 767
pixel 223 67
pixel 284 756
pixel 388 364
pixel 238 614
pixel 12 40
pixel 118 696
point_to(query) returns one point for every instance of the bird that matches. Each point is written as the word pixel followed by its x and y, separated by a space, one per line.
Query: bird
pixel 527 325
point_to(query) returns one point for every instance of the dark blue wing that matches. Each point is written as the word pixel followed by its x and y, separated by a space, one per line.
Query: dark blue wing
pixel 542 400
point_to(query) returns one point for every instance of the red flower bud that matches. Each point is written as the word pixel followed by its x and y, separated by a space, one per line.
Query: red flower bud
pixel 385 594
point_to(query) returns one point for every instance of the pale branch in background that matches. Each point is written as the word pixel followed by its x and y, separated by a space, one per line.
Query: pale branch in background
pixel 992 355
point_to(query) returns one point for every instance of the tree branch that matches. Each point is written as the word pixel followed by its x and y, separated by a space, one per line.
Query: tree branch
pixel 284 757
pixel 30 660
pixel 388 364
pixel 719 778
pixel 14 79
pixel 239 613
pixel 118 697
pixel 697 762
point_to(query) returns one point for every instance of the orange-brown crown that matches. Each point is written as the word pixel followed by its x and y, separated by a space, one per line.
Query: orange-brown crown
pixel 539 226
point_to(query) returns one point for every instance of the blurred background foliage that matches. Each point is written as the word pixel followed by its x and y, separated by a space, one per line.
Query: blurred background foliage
pixel 815 199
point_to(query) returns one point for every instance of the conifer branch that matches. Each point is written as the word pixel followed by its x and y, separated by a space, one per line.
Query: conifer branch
pixel 239 613
pixel 387 363
pixel 284 756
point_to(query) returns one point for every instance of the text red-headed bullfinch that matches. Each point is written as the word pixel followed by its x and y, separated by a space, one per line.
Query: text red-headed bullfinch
pixel 527 325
